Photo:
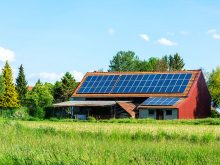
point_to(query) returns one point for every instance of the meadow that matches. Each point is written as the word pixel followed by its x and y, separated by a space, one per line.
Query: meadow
pixel 110 142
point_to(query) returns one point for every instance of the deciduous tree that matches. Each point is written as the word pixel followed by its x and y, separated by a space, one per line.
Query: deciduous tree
pixel 124 61
pixel 39 98
pixel 214 87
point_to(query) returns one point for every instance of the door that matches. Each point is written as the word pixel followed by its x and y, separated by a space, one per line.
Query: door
pixel 159 115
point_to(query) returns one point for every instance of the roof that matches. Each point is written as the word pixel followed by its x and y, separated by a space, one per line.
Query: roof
pixel 87 103
pixel 30 88
pixel 194 73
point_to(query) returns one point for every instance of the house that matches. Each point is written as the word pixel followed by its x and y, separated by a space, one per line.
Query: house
pixel 158 95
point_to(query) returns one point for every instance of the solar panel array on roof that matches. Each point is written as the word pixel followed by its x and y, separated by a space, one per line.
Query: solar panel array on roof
pixel 98 84
pixel 161 101
pixel 136 83
pixel 152 83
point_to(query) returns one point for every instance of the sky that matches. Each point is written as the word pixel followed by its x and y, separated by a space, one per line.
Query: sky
pixel 51 37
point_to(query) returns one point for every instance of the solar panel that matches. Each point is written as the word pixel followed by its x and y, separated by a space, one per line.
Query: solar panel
pixel 98 84
pixel 136 83
pixel 152 83
pixel 161 101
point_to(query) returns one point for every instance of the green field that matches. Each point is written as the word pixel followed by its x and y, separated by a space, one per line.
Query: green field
pixel 154 142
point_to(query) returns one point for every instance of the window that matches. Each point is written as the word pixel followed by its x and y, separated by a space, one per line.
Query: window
pixel 151 112
pixel 169 112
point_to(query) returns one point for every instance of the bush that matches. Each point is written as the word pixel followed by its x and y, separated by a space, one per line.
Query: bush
pixel 37 112
pixel 21 113
pixel 215 113
pixel 90 118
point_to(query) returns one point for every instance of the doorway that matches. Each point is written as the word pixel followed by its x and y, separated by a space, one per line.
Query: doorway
pixel 159 115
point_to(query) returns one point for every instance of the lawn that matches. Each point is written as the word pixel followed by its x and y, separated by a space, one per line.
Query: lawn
pixel 55 142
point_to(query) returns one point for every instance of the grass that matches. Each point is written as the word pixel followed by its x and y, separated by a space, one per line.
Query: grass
pixel 207 121
pixel 47 142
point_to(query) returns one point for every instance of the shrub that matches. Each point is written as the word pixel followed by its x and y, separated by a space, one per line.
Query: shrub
pixel 215 113
pixel 21 113
pixel 91 118
pixel 37 112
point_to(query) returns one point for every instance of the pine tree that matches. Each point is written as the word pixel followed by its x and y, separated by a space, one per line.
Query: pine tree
pixel 2 86
pixel 10 96
pixel 176 62
pixel 21 85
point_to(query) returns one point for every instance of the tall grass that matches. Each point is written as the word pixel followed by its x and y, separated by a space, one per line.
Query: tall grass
pixel 206 121
pixel 73 143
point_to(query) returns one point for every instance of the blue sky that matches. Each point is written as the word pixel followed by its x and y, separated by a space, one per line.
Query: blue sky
pixel 51 37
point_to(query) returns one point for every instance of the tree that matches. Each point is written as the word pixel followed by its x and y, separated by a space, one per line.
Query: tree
pixel 124 61
pixel 21 85
pixel 2 87
pixel 57 92
pixel 38 99
pixel 10 96
pixel 63 90
pixel 214 87
pixel 175 62
pixel 68 85
pixel 162 64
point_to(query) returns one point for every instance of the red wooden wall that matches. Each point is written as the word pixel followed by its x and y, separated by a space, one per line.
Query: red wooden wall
pixel 198 102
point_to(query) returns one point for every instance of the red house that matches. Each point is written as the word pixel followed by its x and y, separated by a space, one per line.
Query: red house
pixel 158 95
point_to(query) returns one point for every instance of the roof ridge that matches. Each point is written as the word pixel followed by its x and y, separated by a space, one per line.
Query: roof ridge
pixel 143 72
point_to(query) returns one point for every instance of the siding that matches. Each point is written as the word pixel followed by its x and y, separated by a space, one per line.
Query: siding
pixel 144 113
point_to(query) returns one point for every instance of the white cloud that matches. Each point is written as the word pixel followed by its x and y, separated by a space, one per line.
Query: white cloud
pixel 212 31
pixel 77 75
pixel 145 37
pixel 214 34
pixel 111 31
pixel 53 77
pixel 166 42
pixel 6 55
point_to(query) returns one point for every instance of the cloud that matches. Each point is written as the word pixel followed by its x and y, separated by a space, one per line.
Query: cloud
pixel 52 77
pixel 111 31
pixel 77 75
pixel 6 55
pixel 166 42
pixel 145 37
pixel 214 34
pixel 211 31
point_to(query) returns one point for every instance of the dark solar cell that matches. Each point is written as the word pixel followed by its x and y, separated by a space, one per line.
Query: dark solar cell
pixel 157 101
pixel 145 77
pixel 140 77
pixel 188 76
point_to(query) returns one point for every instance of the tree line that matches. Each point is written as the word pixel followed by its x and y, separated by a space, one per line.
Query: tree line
pixel 129 61
pixel 43 95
